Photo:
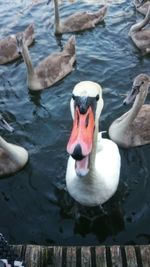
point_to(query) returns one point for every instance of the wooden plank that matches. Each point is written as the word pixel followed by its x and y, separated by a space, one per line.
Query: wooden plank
pixel 101 256
pixel 86 257
pixel 116 256
pixel 45 254
pixel 49 257
pixel 52 256
pixel 71 256
pixel 39 256
pixel 145 255
pixel 131 256
pixel 58 256
pixel 32 256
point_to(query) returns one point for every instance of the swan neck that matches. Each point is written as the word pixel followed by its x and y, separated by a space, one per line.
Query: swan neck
pixel 139 101
pixel 57 17
pixel 27 60
pixel 138 26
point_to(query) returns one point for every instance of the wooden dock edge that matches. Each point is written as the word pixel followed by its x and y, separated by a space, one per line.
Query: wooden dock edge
pixel 85 256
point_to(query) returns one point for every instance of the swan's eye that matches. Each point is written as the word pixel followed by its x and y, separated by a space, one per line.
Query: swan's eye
pixel 73 97
pixel 97 97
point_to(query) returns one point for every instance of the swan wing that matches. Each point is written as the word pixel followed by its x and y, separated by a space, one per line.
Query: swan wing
pixel 141 127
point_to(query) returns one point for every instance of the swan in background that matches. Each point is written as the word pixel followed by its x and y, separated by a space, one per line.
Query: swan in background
pixel 142 6
pixel 12 157
pixel 93 167
pixel 141 36
pixel 8 45
pixel 78 21
pixel 51 69
pixel 133 128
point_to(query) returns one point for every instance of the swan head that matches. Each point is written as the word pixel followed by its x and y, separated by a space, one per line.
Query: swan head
pixel 20 39
pixel 141 2
pixel 139 89
pixel 86 105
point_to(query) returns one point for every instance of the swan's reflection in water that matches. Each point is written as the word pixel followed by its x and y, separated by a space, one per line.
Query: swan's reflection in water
pixel 103 222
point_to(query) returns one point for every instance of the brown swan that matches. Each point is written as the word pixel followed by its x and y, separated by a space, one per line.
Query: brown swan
pixel 140 35
pixel 51 69
pixel 12 157
pixel 8 45
pixel 133 128
pixel 78 21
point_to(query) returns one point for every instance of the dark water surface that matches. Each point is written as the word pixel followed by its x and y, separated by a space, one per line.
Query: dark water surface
pixel 34 206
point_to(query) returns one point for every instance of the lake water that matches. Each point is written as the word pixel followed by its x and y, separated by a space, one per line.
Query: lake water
pixel 34 205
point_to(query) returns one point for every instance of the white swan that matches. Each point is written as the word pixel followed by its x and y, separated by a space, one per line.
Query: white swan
pixel 52 68
pixel 142 6
pixel 8 45
pixel 133 128
pixel 78 21
pixel 93 168
pixel 140 35
pixel 12 157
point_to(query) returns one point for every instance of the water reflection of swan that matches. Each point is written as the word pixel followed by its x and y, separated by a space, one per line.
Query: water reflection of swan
pixel 141 36
pixel 35 97
pixel 51 69
pixel 12 157
pixel 78 21
pixel 133 128
pixel 102 224
pixel 8 45
pixel 97 222
pixel 92 172
pixel 142 6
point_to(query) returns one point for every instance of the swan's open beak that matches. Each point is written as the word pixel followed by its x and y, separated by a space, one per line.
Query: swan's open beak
pixel 81 139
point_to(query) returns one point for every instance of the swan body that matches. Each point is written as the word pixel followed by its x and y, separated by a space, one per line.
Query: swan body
pixel 133 128
pixel 141 36
pixel 12 157
pixel 142 7
pixel 78 21
pixel 93 167
pixel 51 69
pixel 8 45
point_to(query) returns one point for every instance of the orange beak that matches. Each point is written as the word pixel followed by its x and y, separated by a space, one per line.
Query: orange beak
pixel 82 134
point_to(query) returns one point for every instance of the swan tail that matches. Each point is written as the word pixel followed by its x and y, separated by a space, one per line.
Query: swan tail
pixel 99 15
pixel 29 34
pixel 25 37
pixel 69 47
